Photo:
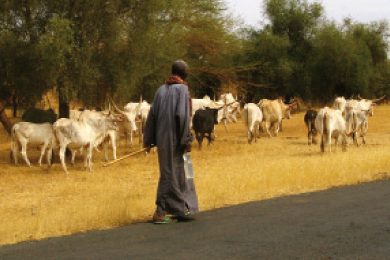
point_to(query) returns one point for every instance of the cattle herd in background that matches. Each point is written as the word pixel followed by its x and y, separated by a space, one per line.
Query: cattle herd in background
pixel 85 130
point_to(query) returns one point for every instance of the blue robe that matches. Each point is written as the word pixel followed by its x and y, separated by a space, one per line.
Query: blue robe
pixel 168 128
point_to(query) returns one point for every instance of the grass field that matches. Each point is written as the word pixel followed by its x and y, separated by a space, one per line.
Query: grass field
pixel 36 203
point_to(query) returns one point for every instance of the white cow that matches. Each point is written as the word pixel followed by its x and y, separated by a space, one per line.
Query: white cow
pixel 330 123
pixel 111 136
pixel 81 134
pixel 252 117
pixel 26 134
pixel 229 112
pixel 200 103
pixel 273 113
pixel 142 112
pixel 356 120
pixel 129 127
pixel 364 104
pixel 339 104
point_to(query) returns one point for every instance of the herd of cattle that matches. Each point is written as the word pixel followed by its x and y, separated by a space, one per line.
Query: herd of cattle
pixel 85 130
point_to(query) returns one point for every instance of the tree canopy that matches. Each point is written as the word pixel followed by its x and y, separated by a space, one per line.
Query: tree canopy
pixel 123 49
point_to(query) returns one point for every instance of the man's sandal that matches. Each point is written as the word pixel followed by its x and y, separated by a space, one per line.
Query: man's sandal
pixel 167 220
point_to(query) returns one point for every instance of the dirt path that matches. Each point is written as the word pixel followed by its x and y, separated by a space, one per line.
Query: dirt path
pixel 342 223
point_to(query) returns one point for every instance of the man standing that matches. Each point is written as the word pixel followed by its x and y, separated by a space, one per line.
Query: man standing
pixel 168 128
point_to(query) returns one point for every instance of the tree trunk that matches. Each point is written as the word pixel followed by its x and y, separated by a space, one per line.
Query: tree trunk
pixel 4 119
pixel 63 107
pixel 15 106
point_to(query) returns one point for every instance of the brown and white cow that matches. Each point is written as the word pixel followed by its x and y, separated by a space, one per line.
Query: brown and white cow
pixel 330 124
pixel 273 113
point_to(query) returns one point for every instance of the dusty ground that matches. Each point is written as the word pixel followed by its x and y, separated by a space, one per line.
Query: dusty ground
pixel 341 223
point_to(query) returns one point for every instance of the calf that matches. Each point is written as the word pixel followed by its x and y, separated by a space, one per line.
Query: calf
pixel 81 134
pixel 330 123
pixel 203 123
pixel 356 120
pixel 252 117
pixel 32 135
pixel 309 119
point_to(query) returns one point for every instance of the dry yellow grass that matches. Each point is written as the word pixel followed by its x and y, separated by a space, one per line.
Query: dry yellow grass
pixel 35 203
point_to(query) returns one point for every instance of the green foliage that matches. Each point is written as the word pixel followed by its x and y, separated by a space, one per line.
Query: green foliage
pixel 90 50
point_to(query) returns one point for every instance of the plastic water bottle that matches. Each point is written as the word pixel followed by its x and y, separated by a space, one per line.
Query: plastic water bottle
pixel 189 171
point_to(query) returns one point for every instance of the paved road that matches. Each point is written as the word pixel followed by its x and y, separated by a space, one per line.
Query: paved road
pixel 342 223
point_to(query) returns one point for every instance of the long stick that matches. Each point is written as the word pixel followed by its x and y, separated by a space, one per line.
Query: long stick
pixel 124 157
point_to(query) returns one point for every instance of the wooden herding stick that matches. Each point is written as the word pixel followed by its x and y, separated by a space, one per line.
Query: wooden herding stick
pixel 124 157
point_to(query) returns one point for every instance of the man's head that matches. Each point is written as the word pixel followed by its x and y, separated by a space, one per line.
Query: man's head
pixel 180 68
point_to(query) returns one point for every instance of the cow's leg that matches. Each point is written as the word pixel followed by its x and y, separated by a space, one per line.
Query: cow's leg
pixel 24 152
pixel 49 155
pixel 105 147
pixel 267 127
pixel 225 122
pixel 74 151
pixel 313 136
pixel 215 132
pixel 308 137
pixel 113 144
pixel 15 151
pixel 131 138
pixel 201 140
pixel 88 156
pixel 276 128
pixel 62 156
pixel 255 131
pixel 209 138
pixel 329 141
pixel 43 150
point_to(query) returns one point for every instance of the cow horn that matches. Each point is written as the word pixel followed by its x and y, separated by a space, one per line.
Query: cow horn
pixel 293 104
pixel 116 108
pixel 359 97
pixel 378 99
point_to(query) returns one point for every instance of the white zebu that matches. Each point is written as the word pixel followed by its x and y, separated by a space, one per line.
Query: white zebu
pixel 229 112
pixel 142 114
pixel 252 117
pixel 81 134
pixel 200 103
pixel 356 120
pixel 128 127
pixel 364 104
pixel 111 136
pixel 26 134
pixel 339 104
pixel 330 123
